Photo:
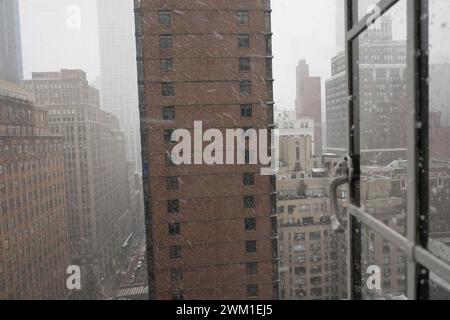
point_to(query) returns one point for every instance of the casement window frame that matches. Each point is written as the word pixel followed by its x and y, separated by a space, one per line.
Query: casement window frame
pixel 420 261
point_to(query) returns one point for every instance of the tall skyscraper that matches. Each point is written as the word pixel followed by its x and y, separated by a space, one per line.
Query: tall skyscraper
pixel 33 214
pixel 10 42
pixel 309 101
pixel 119 91
pixel 336 106
pixel 211 228
pixel 96 185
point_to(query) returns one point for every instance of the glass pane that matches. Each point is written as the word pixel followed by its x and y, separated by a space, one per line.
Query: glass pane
pixel 439 135
pixel 381 95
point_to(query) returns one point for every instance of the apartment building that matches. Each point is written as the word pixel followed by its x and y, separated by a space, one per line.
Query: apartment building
pixel 33 213
pixel 211 234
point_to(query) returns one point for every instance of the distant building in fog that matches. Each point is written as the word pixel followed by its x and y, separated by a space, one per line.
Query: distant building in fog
pixel 119 88
pixel 296 146
pixel 10 42
pixel 97 184
pixel 439 92
pixel 34 233
pixel 309 102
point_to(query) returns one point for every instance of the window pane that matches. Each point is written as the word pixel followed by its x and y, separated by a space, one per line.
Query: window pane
pixel 250 224
pixel 171 183
pixel 246 110
pixel 168 113
pixel 245 87
pixel 383 267
pixel 173 206
pixel 244 41
pixel 166 65
pixel 439 133
pixel 165 41
pixel 165 17
pixel 382 110
pixel 249 179
pixel 168 89
pixel 252 268
pixel 244 64
pixel 175 252
pixel 250 246
pixel 242 17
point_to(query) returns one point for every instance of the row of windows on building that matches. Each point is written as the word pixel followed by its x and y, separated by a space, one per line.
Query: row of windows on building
pixel 301 236
pixel 30 148
pixel 168 113
pixel 166 41
pixel 29 198
pixel 305 221
pixel 301 208
pixel 167 64
pixel 165 17
pixel 21 166
pixel 168 88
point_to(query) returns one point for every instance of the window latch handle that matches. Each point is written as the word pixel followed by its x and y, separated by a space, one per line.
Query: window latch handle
pixel 343 174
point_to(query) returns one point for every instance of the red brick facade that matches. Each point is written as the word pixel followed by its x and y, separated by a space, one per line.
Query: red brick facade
pixel 206 74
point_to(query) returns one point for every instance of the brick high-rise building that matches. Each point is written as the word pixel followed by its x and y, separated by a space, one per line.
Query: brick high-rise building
pixel 210 227
pixel 308 103
pixel 97 184
pixel 33 223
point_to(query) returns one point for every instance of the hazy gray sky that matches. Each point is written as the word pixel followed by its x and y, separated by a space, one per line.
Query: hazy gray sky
pixel 303 29
pixel 52 41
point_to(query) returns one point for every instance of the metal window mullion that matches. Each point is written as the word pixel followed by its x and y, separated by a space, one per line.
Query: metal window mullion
pixel 422 18
pixel 362 25
pixel 419 254
pixel 412 105
pixel 354 277
pixel 379 227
